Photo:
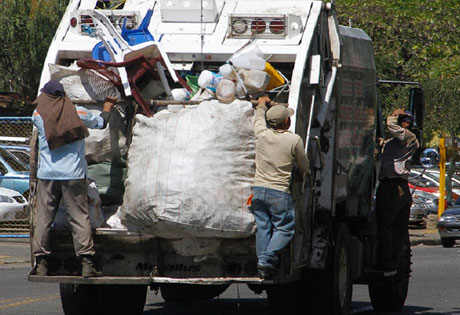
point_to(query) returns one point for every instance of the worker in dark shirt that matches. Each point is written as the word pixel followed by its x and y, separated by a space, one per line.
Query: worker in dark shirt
pixel 393 198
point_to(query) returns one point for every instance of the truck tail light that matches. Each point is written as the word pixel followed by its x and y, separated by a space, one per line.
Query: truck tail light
pixel 73 22
pixel 258 26
pixel 239 26
pixel 277 26
pixel 86 19
pixel 81 20
pixel 266 26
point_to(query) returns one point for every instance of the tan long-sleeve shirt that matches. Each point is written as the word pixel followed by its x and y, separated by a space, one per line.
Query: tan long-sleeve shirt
pixel 276 152
pixel 397 152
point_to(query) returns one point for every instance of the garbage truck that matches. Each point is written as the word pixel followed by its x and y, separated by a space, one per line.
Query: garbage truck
pixel 171 176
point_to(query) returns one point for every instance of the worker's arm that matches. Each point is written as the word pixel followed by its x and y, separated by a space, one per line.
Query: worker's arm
pixel 301 159
pixel 97 121
pixel 260 125
pixel 395 130
pixel 106 108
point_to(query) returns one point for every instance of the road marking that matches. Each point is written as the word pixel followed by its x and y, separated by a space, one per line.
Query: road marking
pixel 26 300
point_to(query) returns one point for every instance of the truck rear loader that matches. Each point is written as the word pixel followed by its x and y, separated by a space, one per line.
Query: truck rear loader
pixel 329 78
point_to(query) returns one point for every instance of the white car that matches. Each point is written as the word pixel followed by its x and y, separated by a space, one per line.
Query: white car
pixel 13 205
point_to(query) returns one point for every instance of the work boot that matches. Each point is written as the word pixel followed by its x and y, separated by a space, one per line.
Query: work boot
pixel 87 267
pixel 266 272
pixel 41 266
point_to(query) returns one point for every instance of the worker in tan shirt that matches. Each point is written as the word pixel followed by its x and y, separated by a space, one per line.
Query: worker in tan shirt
pixel 277 149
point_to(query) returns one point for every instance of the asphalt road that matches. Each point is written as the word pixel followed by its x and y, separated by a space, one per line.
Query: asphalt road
pixel 433 289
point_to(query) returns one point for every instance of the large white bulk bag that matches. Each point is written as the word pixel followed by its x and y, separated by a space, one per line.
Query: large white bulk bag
pixel 82 84
pixel 190 172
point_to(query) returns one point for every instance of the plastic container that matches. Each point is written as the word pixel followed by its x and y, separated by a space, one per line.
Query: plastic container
pixel 240 91
pixel 226 91
pixel 181 94
pixel 227 72
pixel 209 80
pixel 254 80
pixel 275 78
pixel 249 57
pixel 192 82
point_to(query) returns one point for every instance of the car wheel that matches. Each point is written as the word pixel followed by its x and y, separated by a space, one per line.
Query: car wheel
pixel 447 242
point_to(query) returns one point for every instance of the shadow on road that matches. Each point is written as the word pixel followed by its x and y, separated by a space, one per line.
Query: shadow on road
pixel 210 307
pixel 365 308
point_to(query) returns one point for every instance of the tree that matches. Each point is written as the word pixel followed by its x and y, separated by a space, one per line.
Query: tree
pixel 415 40
pixel 27 28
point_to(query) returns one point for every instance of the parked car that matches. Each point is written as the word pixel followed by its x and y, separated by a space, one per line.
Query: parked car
pixel 14 174
pixel 423 204
pixel 425 188
pixel 13 206
pixel 449 225
pixel 21 152
pixel 428 182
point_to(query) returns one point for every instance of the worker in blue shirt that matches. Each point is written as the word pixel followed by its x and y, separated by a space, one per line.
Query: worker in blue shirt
pixel 62 172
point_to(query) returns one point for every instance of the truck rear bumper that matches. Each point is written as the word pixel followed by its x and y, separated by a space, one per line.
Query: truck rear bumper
pixel 147 280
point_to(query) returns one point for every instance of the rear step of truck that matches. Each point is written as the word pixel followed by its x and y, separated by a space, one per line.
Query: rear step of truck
pixel 147 280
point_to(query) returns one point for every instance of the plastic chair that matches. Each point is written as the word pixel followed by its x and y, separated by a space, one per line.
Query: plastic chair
pixel 139 35
pixel 121 51
pixel 132 37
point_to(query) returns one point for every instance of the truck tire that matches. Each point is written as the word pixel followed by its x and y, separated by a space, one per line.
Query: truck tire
pixel 79 299
pixel 388 294
pixel 173 292
pixel 447 242
pixel 121 299
pixel 329 291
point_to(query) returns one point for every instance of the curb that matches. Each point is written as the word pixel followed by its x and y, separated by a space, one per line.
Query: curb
pixel 425 241
pixel 15 239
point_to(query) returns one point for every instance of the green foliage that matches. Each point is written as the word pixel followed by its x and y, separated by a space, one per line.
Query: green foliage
pixel 414 40
pixel 443 93
pixel 27 28
pixel 110 5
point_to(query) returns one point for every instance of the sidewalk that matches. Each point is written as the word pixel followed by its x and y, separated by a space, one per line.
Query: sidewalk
pixel 424 237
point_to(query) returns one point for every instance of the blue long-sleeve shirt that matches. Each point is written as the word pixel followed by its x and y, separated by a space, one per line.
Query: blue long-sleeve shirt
pixel 68 161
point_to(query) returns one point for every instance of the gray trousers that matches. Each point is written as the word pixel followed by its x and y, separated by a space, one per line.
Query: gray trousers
pixel 74 194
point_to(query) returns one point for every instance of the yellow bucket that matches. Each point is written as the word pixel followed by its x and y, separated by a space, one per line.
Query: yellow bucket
pixel 275 78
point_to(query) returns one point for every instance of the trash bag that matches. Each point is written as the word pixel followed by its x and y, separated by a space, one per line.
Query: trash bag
pixel 190 172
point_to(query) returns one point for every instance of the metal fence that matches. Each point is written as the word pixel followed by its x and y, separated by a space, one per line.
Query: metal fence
pixel 15 134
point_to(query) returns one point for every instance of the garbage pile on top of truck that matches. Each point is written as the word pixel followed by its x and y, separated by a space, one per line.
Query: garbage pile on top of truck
pixel 190 166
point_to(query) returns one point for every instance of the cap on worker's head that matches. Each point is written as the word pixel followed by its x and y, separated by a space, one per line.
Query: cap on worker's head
pixel 406 118
pixel 54 88
pixel 277 114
